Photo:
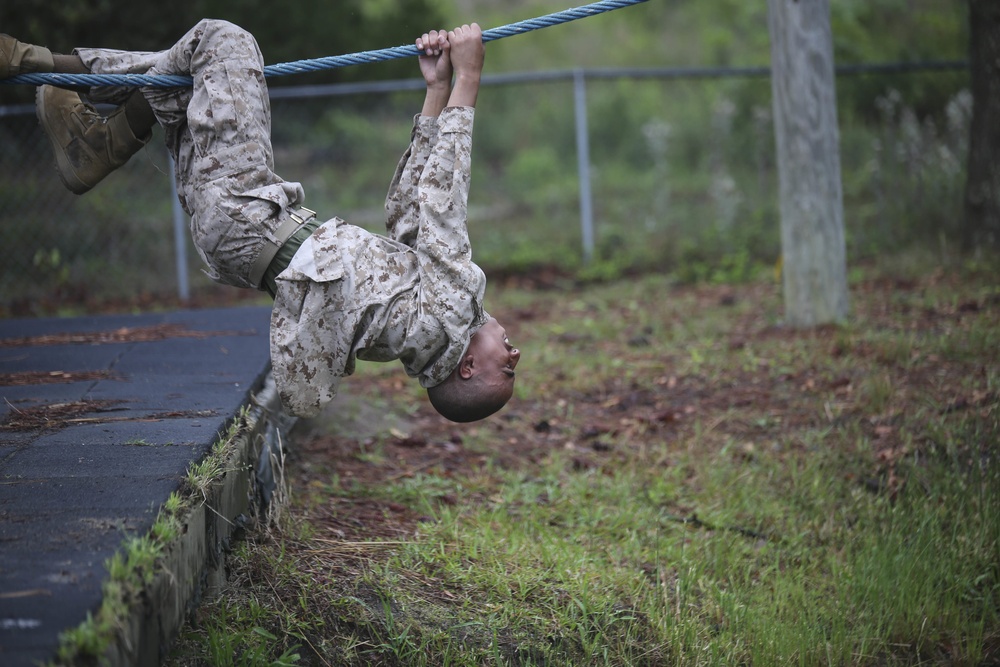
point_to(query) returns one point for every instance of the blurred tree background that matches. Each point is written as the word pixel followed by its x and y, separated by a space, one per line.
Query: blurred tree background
pixel 285 31
pixel 661 33
pixel 683 171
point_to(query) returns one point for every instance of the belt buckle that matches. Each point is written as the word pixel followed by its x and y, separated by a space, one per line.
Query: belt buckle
pixel 299 219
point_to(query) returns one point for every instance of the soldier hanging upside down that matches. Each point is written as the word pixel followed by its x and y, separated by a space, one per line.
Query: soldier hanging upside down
pixel 340 293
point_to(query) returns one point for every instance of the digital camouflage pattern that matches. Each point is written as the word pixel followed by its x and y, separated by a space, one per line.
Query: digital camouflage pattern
pixel 219 134
pixel 413 295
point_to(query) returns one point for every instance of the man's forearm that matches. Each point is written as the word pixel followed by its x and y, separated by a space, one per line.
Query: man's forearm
pixel 466 90
pixel 467 56
pixel 435 100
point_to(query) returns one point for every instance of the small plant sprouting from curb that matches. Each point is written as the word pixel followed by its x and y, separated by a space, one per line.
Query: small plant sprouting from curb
pixel 135 565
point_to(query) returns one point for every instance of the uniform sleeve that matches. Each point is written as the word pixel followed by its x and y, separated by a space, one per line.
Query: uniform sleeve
pixel 402 216
pixel 451 285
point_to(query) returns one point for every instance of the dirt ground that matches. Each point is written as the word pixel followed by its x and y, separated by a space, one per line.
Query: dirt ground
pixel 906 340
pixel 657 408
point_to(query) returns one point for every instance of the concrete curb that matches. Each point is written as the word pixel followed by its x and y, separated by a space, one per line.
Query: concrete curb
pixel 192 567
pixel 106 425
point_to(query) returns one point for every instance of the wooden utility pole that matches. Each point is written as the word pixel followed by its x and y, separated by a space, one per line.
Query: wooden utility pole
pixel 808 154
pixel 982 189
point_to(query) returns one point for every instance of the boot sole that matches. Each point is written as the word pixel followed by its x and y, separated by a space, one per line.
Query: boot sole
pixel 63 166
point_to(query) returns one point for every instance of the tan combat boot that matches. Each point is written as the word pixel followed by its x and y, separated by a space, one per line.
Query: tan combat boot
pixel 20 58
pixel 88 146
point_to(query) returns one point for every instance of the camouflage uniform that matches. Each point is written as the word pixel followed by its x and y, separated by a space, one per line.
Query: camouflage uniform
pixel 414 295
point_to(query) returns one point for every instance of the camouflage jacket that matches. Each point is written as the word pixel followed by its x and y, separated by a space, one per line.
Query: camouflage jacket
pixel 413 295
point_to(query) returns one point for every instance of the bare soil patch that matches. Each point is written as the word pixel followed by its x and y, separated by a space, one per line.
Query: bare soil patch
pixel 742 406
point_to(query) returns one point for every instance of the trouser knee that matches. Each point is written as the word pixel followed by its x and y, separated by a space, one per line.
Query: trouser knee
pixel 222 34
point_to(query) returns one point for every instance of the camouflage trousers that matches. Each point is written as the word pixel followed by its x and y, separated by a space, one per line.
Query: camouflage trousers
pixel 219 134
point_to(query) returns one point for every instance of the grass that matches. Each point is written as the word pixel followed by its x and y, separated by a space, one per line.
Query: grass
pixel 681 480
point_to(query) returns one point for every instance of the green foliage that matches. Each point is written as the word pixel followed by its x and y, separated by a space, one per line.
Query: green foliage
pixel 539 176
pixel 50 262
pixel 250 648
pixel 683 172
pixel 911 32
pixel 905 30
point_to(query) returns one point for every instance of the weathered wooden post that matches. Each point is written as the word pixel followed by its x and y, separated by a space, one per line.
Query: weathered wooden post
pixel 808 155
pixel 982 189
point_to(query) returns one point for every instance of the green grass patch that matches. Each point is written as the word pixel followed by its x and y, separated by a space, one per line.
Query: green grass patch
pixel 680 480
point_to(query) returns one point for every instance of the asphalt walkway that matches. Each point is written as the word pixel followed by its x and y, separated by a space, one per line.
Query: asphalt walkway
pixel 100 418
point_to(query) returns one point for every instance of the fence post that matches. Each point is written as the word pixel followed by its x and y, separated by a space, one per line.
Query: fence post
pixel 180 238
pixel 583 163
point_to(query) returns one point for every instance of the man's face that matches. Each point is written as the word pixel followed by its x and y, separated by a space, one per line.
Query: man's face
pixel 495 358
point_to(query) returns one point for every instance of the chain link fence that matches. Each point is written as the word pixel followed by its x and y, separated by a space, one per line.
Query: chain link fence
pixel 681 164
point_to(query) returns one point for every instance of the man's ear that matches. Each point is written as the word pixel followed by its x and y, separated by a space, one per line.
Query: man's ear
pixel 467 368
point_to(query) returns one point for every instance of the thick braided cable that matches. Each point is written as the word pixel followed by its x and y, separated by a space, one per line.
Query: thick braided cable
pixel 329 62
